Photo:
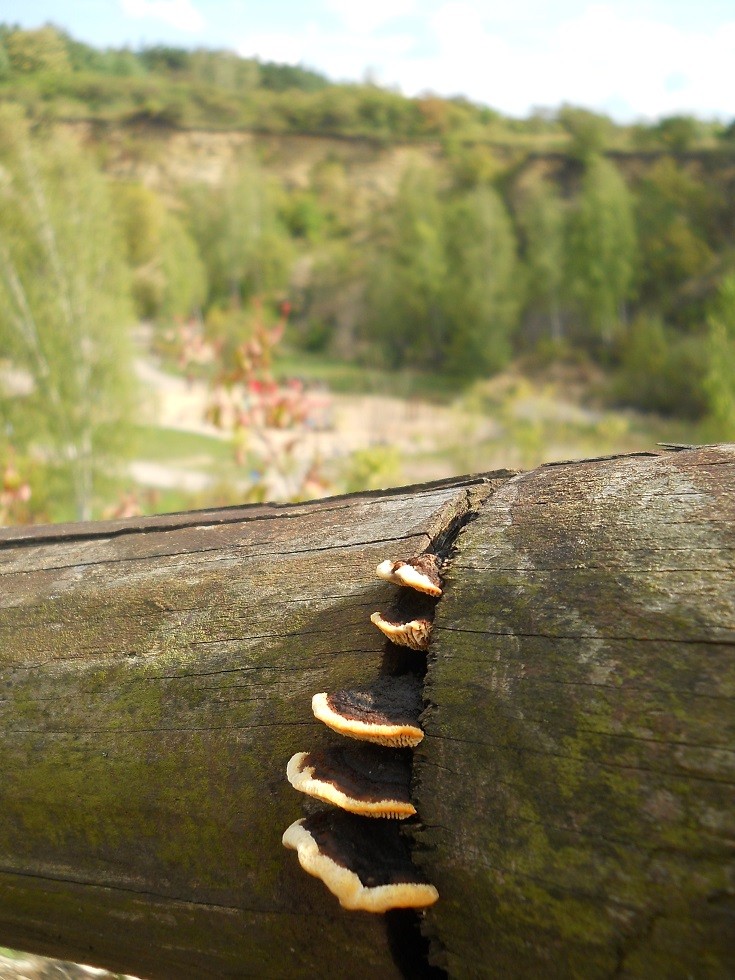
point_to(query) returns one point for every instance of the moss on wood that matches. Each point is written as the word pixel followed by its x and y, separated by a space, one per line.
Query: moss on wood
pixel 575 785
pixel 576 780
pixel 155 678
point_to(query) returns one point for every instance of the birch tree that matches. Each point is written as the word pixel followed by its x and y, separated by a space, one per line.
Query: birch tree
pixel 602 249
pixel 64 313
pixel 542 219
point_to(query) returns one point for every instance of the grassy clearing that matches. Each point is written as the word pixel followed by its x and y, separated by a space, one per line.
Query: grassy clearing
pixel 351 379
pixel 544 421
pixel 176 501
pixel 339 377
pixel 175 446
pixel 508 421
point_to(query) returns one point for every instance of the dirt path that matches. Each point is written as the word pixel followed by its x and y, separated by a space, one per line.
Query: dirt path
pixel 507 421
pixel 347 423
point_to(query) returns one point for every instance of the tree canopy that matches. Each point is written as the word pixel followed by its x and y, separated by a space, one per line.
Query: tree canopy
pixel 64 309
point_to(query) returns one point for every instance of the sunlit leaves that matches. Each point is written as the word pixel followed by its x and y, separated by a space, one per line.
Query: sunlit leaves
pixel 64 309
pixel 602 247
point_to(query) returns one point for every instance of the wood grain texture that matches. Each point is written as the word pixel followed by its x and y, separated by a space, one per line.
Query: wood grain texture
pixel 155 677
pixel 575 785
pixel 576 782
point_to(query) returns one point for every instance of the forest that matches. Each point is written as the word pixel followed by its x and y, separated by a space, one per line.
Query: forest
pixel 428 238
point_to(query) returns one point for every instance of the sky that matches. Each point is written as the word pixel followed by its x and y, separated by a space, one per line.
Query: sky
pixel 633 59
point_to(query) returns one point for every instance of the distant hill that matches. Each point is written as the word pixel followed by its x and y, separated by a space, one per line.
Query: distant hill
pixel 54 76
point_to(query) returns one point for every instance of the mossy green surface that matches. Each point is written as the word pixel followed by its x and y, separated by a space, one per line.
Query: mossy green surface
pixel 576 782
pixel 152 689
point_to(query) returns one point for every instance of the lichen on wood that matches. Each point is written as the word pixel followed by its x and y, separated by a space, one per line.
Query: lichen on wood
pixel 576 780
pixel 574 786
pixel 155 677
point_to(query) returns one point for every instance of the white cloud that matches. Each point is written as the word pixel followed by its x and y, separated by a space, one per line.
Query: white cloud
pixel 631 66
pixel 177 13
pixel 342 55
pixel 602 56
pixel 367 17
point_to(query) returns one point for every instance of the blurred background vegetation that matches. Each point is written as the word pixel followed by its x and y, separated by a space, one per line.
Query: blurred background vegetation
pixel 225 280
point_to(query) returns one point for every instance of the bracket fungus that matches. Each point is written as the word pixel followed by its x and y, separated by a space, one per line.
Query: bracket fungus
pixel 414 633
pixel 386 713
pixel 420 573
pixel 363 779
pixel 365 863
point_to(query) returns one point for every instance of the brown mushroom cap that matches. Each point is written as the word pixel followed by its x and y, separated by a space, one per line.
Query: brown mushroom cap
pixel 364 779
pixel 386 713
pixel 415 633
pixel 365 863
pixel 420 573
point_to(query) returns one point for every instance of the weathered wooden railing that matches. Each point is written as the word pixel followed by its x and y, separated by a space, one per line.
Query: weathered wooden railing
pixel 574 787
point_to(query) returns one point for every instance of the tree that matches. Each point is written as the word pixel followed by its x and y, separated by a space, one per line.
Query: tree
pixel 676 221
pixel 169 278
pixel 483 290
pixel 407 277
pixel 443 294
pixel 64 310
pixel 720 378
pixel 245 250
pixel 542 220
pixel 43 49
pixel 660 369
pixel 5 69
pixel 602 249
pixel 678 133
pixel 589 132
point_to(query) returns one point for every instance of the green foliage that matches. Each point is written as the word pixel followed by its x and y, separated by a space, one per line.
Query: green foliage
pixel 284 78
pixel 675 219
pixel 64 311
pixel 661 371
pixel 406 311
pixel 727 135
pixel 677 133
pixel 183 272
pixel 602 249
pixel 169 278
pixel 589 132
pixel 484 286
pixel 186 87
pixel 472 165
pixel 140 214
pixel 219 88
pixel 372 469
pixel 444 289
pixel 5 67
pixel 165 59
pixel 428 278
pixel 41 50
pixel 331 299
pixel 244 248
pixel 302 215
pixel 719 384
pixel 542 219
pixel 224 70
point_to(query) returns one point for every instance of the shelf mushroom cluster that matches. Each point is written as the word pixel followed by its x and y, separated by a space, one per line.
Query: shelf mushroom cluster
pixel 364 861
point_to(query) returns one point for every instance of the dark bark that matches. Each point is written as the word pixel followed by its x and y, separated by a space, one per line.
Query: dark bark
pixel 574 788
pixel 576 779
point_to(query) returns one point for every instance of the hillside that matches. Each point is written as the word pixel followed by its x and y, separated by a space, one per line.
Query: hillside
pixel 430 243
pixel 55 76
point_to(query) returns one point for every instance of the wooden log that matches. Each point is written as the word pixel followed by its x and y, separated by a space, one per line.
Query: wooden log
pixel 574 788
pixel 155 677
pixel 576 782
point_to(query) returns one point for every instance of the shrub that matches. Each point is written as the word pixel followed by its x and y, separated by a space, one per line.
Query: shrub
pixel 661 371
